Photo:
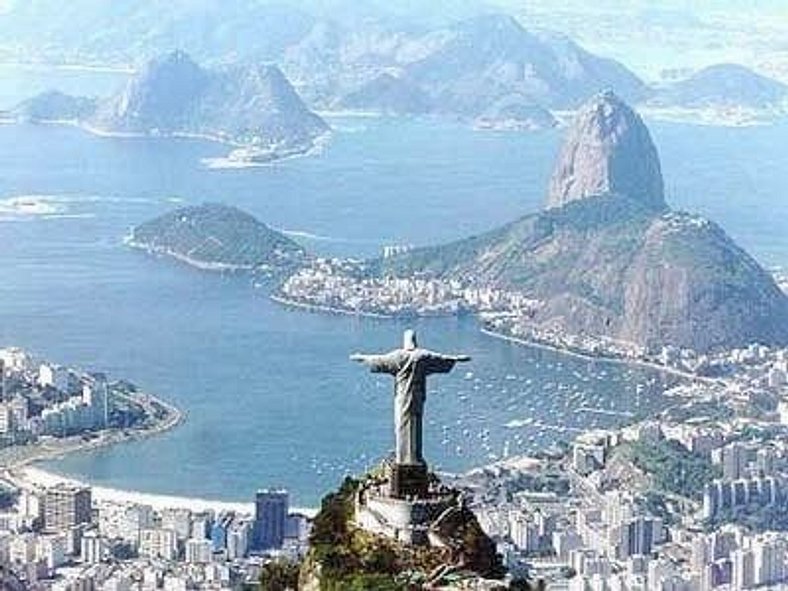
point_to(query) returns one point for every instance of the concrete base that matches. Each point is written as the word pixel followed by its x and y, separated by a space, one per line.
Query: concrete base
pixel 407 521
pixel 403 504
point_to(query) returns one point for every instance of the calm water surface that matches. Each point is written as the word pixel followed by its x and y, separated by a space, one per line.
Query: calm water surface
pixel 269 394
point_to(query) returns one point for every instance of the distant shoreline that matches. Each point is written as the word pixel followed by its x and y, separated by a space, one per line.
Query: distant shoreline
pixel 279 299
pixel 601 358
pixel 321 308
pixel 17 456
pixel 98 68
pixel 217 163
pixel 185 259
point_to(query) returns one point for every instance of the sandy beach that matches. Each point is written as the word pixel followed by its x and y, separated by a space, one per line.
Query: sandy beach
pixel 19 469
pixel 32 477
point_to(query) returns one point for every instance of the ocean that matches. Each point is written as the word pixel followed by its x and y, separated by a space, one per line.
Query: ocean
pixel 269 394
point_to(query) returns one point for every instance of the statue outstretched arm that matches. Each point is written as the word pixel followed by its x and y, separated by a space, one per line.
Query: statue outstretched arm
pixel 388 363
pixel 440 363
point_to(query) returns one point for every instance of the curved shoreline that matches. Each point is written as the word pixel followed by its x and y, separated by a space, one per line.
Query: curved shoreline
pixel 17 460
pixel 321 308
pixel 21 472
pixel 601 358
pixel 50 448
pixel 264 158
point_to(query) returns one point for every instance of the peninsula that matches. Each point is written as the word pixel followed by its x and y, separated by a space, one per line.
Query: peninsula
pixel 49 410
pixel 596 263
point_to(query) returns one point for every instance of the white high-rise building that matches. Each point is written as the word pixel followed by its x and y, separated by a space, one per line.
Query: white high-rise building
pixel 125 522
pixel 51 549
pixel 93 548
pixel 158 543
pixel 22 549
pixel 743 576
pixel 199 550
pixel 178 520
pixel 53 376
pixel 238 539
pixel 768 560
pixel 733 461
pixel 6 419
pixel 95 396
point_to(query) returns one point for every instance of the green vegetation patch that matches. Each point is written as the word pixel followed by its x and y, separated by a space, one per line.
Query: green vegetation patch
pixel 672 467
pixel 351 558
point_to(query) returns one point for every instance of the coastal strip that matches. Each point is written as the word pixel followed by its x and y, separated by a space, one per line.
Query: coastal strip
pixel 257 157
pixel 19 469
pixel 17 457
pixel 33 477
pixel 601 358
pixel 192 262
pixel 322 308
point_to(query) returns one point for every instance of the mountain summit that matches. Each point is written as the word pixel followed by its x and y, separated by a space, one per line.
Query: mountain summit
pixel 608 257
pixel 608 150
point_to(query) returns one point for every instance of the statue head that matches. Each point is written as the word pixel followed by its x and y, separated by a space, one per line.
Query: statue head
pixel 409 340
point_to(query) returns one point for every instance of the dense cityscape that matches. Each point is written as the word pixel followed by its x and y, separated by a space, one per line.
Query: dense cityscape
pixel 58 535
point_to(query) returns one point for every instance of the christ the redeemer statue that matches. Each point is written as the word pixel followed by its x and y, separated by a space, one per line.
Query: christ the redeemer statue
pixel 410 367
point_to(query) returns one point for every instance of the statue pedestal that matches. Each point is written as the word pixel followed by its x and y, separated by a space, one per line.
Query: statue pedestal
pixel 409 481
pixel 403 504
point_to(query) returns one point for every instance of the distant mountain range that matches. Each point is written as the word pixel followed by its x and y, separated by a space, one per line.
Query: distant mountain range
pixel 98 31
pixel 463 69
pixel 723 86
pixel 609 258
pixel 253 107
pixel 343 56
pixel 378 63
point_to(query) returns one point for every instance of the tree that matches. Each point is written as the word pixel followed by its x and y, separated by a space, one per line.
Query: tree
pixel 280 575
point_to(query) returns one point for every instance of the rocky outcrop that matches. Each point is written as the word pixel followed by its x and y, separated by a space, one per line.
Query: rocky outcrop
pixel 249 105
pixel 343 555
pixel 54 106
pixel 608 150
pixel 608 258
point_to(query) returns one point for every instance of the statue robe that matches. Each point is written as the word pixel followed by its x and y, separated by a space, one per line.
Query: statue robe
pixel 410 368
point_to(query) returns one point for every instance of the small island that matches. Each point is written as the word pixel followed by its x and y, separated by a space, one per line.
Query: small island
pixel 218 237
pixel 515 113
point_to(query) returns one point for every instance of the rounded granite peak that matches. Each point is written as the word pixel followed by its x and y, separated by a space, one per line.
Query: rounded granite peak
pixel 608 150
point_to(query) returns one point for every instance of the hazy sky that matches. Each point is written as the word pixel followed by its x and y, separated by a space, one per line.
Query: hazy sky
pixel 648 36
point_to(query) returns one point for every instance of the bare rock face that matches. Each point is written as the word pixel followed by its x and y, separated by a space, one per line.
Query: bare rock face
pixel 608 151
